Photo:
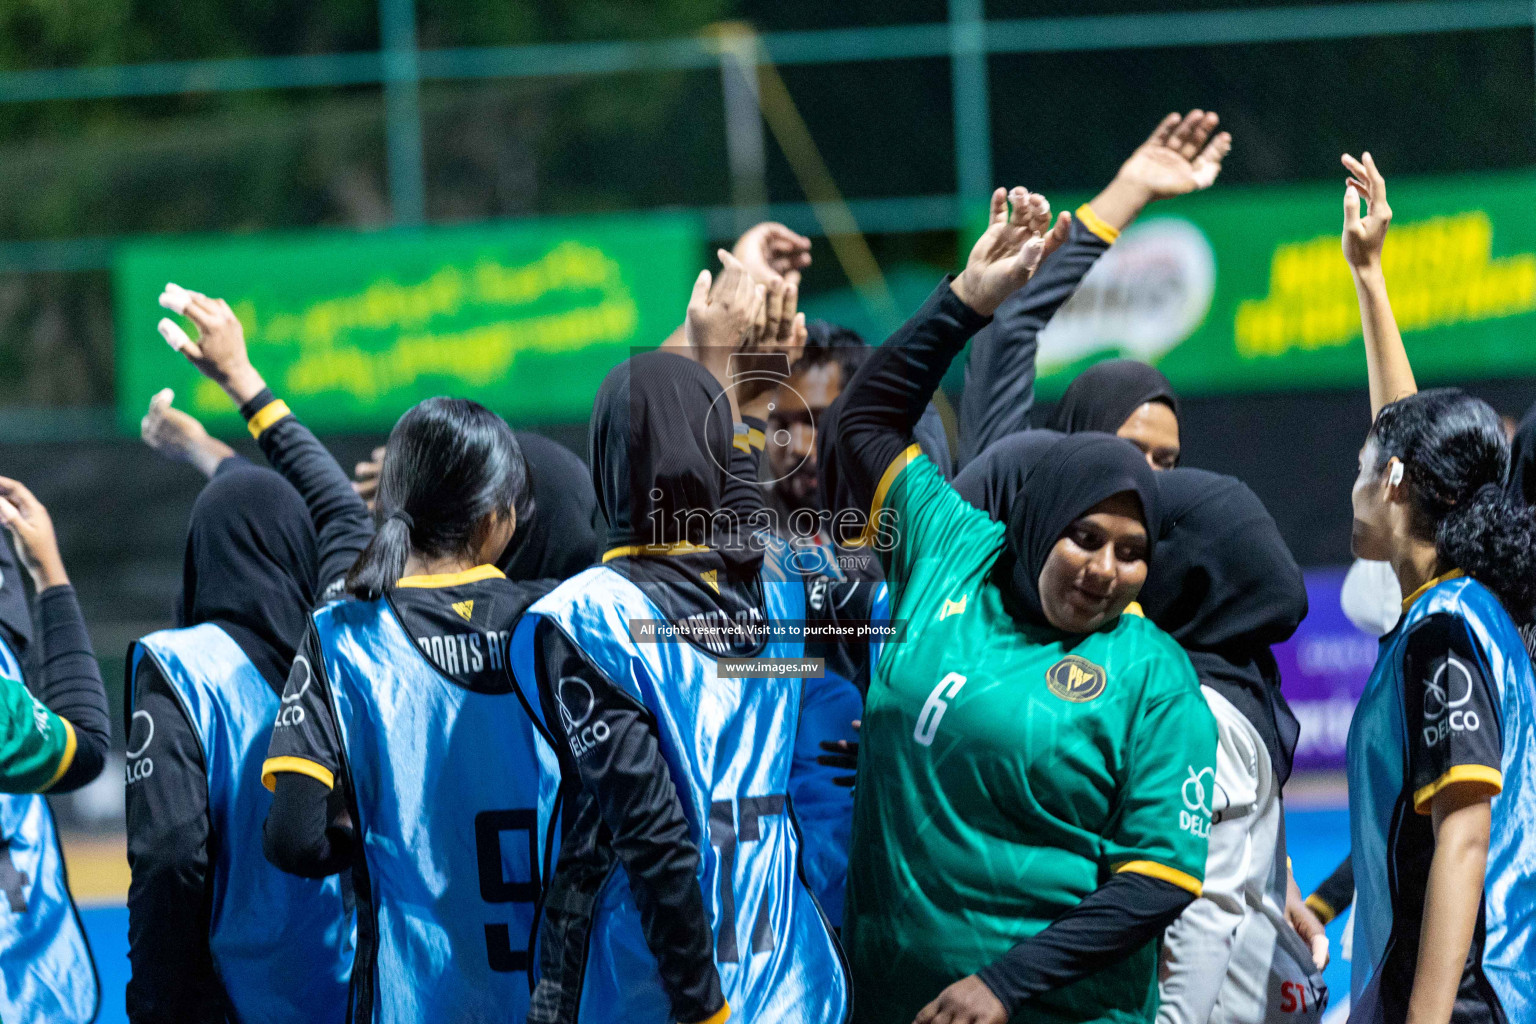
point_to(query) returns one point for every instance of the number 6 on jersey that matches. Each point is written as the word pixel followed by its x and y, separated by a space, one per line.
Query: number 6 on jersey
pixel 933 709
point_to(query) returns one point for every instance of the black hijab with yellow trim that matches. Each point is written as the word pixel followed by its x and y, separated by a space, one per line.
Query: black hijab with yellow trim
pixel 660 448
pixel 1226 587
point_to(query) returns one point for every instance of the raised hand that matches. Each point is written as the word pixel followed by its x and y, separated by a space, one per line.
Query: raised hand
pixel 1179 157
pixel 365 478
pixel 32 531
pixel 219 351
pixel 1365 236
pixel 771 252
pixel 178 435
pixel 1007 253
pixel 723 316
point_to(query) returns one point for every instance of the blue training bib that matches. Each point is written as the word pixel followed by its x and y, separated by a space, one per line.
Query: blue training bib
pixel 729 744
pixel 282 945
pixel 1378 757
pixel 453 791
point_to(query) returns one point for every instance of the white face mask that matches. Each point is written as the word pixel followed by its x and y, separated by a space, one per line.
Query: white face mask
pixel 1371 597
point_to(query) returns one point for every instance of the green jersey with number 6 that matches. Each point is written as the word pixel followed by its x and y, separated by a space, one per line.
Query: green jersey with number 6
pixel 1006 771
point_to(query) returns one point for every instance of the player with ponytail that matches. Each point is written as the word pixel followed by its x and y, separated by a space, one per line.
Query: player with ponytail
pixel 1440 790
pixel 401 751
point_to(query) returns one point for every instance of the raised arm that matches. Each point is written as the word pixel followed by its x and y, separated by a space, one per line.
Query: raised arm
pixel 1386 360
pixel 880 407
pixel 737 316
pixel 1182 155
pixel 56 741
pixel 343 526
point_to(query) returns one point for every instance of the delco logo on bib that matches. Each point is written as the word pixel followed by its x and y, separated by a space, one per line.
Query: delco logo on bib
pixel 1075 679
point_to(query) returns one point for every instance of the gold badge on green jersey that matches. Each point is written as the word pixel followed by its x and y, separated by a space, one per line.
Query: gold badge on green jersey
pixel 1075 679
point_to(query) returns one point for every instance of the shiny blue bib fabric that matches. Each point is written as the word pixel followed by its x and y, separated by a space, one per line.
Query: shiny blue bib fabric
pixel 282 945
pixel 729 744
pixel 46 971
pixel 453 791
pixel 1377 751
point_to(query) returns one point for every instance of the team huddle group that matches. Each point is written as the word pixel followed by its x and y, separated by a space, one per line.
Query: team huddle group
pixel 926 739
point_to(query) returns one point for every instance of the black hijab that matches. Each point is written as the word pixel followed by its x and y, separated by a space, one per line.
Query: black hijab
pixel 1521 487
pixel 251 565
pixel 560 532
pixel 1226 587
pixel 15 612
pixel 1103 396
pixel 1069 478
pixel 660 448
pixel 995 478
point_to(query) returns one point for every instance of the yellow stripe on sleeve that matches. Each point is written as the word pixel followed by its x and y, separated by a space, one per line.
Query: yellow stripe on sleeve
pixel 720 1016
pixel 71 744
pixel 883 490
pixel 268 415
pixel 1093 222
pixel 1152 869
pixel 298 766
pixel 757 439
pixel 1461 774
pixel 1325 913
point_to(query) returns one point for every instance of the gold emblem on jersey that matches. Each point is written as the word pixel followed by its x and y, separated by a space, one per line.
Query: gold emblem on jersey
pixel 953 607
pixel 1075 679
pixel 712 579
pixel 464 608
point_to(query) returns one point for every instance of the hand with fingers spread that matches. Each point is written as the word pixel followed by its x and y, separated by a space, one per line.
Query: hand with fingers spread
pixel 771 252
pixel 32 534
pixel 967 1001
pixel 1365 236
pixel 178 435
pixel 1182 155
pixel 1007 253
pixel 219 351
pixel 723 316
pixel 365 477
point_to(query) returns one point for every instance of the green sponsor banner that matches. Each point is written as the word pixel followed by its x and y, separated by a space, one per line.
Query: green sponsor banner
pixel 1246 289
pixel 352 329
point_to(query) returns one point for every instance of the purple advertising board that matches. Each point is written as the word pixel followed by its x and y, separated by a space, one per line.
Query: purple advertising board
pixel 1323 669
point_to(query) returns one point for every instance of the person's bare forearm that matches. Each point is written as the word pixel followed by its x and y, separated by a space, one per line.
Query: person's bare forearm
pixel 1451 901
pixel 1386 359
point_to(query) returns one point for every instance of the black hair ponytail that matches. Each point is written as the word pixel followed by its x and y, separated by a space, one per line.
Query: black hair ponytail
pixel 1455 459
pixel 450 465
pixel 1494 541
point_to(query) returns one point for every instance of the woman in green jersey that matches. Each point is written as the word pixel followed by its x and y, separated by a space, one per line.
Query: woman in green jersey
pixel 1036 767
